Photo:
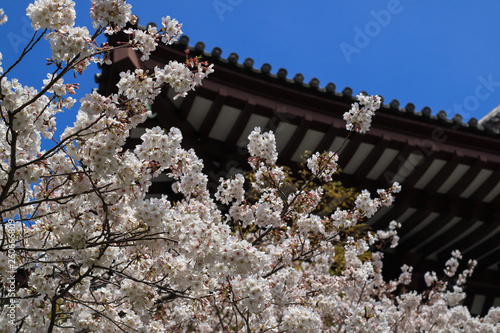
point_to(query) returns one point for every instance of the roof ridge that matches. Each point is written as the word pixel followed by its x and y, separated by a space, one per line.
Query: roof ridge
pixel 329 91
pixel 281 76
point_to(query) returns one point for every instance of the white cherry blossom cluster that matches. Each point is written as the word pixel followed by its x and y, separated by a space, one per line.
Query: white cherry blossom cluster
pixel 51 14
pixel 242 214
pixel 358 322
pixel 184 162
pixel 3 18
pixel 359 117
pixel 262 148
pixel 268 175
pixel 74 238
pixel 75 46
pixel 94 104
pixel 391 233
pixel 310 224
pixel 343 218
pixel 144 41
pixel 171 30
pixel 440 309
pixel 252 292
pixel 137 85
pixel 230 190
pixel 405 276
pixel 181 77
pixel 462 277
pixel 452 263
pixel 323 165
pixel 301 319
pixel 267 210
pixel 58 88
pixel 68 42
pixel 304 202
pixel 159 146
pixel 430 278
pixel 114 13
pixel 187 168
pixel 367 207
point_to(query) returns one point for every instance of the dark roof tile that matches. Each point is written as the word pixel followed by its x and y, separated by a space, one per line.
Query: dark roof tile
pixel 473 122
pixel 426 112
pixel 298 78
pixel 330 88
pixel 410 108
pixel 200 47
pixel 248 63
pixel 314 83
pixel 347 92
pixel 282 73
pixel 216 52
pixel 441 115
pixel 233 58
pixel 184 41
pixel 457 119
pixel 394 104
pixel 265 68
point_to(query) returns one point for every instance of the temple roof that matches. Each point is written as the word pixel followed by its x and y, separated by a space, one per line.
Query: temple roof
pixel 492 119
pixel 329 90
pixel 449 169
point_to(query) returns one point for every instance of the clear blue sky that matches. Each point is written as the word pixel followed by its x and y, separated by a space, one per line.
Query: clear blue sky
pixel 444 54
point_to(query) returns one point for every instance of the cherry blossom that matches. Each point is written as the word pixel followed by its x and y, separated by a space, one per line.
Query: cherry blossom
pixel 3 17
pixel 115 13
pixel 323 165
pixel 172 30
pixel 51 14
pixel 230 190
pixel 262 148
pixel 359 117
pixel 101 255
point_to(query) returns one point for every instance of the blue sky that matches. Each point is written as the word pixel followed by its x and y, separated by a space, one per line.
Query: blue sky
pixel 444 55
